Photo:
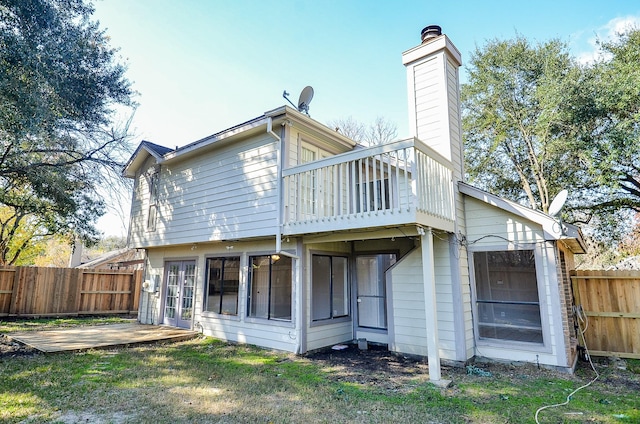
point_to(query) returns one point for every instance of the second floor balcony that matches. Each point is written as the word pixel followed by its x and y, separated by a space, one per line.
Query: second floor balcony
pixel 400 183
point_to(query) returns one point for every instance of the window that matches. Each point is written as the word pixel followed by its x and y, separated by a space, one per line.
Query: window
pixel 223 278
pixel 315 187
pixel 308 184
pixel 270 287
pixel 373 200
pixel 153 202
pixel 329 288
pixel 507 296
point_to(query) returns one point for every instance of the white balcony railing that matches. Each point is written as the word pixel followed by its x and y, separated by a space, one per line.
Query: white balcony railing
pixel 404 182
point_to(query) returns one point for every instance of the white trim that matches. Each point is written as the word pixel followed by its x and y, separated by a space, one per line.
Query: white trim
pixel 506 345
pixel 430 304
pixel 458 303
pixel 551 228
pixel 301 294
pixel 216 138
pixel 430 47
pixel 550 254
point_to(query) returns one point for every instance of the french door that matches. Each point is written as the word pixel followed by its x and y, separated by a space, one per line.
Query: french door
pixel 180 278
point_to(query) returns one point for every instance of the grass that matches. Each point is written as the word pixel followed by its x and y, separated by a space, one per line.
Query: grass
pixel 36 324
pixel 205 380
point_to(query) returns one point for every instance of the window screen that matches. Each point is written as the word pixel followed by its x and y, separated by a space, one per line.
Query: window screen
pixel 507 296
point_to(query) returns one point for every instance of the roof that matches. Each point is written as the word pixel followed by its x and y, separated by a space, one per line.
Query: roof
pixel 155 149
pixel 552 228
pixel 163 154
pixel 119 255
pixel 144 150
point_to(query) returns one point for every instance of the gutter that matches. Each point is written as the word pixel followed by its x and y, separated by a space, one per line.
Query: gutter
pixel 298 325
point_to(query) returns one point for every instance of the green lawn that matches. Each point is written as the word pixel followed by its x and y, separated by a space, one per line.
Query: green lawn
pixel 204 380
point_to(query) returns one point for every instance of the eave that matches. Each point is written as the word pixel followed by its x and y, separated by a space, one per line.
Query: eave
pixel 143 151
pixel 278 116
pixel 552 229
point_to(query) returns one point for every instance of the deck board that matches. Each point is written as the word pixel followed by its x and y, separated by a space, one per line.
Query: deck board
pixel 99 336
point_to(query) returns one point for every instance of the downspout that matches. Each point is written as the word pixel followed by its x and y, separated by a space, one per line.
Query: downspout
pixel 279 184
pixel 298 325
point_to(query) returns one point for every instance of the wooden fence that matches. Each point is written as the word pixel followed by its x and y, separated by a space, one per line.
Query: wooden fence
pixel 610 305
pixel 36 291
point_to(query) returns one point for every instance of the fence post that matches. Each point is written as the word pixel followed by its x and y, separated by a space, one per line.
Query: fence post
pixel 18 289
pixel 136 287
pixel 77 276
pixel 7 278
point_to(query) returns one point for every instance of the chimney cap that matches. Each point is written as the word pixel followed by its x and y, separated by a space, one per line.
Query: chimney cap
pixel 429 32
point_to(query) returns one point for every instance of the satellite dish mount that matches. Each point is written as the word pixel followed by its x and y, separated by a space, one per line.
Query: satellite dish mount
pixel 556 207
pixel 303 101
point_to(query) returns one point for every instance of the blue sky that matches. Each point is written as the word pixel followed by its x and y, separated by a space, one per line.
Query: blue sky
pixel 203 66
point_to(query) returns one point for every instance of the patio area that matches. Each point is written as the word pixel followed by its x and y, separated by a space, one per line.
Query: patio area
pixel 99 337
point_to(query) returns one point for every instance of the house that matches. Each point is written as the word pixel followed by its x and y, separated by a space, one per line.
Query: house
pixel 283 233
pixel 119 259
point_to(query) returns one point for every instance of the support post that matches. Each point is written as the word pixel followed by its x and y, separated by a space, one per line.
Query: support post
pixel 430 307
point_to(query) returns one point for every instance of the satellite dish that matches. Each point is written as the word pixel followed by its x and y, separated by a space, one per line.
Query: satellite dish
pixel 303 102
pixel 558 203
pixel 305 98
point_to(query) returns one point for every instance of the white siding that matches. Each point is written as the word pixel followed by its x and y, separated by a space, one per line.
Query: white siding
pixel 491 228
pixel 409 334
pixel 148 306
pixel 455 128
pixel 225 193
pixel 430 104
pixel 140 199
pixel 462 294
pixel 328 335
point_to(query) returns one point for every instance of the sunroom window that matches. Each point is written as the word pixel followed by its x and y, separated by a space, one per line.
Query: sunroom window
pixel 329 288
pixel 223 278
pixel 507 296
pixel 270 287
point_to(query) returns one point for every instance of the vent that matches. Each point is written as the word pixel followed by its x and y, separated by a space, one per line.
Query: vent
pixel 430 32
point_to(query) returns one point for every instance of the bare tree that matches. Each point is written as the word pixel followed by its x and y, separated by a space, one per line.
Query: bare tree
pixel 349 127
pixel 381 131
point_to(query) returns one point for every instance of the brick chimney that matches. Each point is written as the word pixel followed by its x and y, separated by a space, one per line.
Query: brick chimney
pixel 434 95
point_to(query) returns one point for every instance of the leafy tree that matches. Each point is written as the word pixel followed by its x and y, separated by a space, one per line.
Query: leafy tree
pixel 57 252
pixel 535 122
pixel 59 84
pixel 515 144
pixel 108 244
pixel 605 118
pixel 630 245
pixel 20 241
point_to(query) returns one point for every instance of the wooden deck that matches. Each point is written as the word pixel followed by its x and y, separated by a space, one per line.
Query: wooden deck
pixel 99 336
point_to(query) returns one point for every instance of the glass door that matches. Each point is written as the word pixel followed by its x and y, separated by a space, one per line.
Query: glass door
pixel 180 277
pixel 371 288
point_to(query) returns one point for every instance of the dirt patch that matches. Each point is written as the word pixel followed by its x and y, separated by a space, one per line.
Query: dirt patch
pixel 398 373
pixel 375 366
pixel 11 349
